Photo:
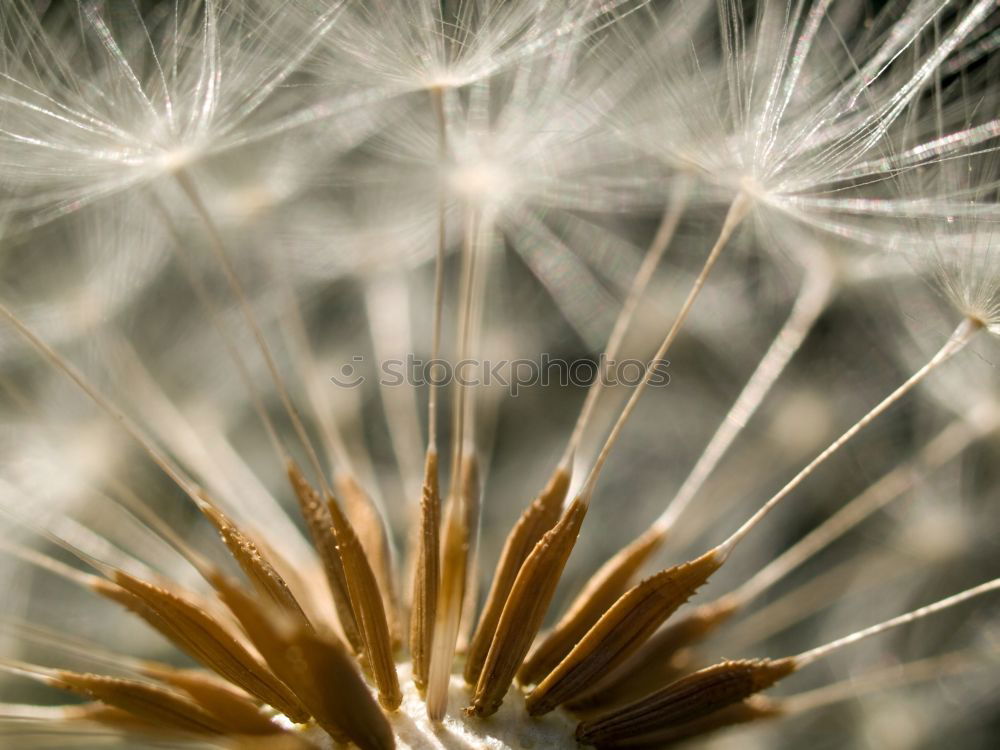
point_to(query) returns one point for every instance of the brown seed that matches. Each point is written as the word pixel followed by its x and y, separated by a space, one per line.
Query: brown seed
pixel 472 492
pixel 367 522
pixel 369 612
pixel 120 720
pixel 621 631
pixel 618 693
pixel 754 708
pixel 451 593
pixel 658 662
pixel 150 703
pixel 264 578
pixel 269 630
pixel 603 589
pixel 218 697
pixel 203 638
pixel 525 609
pixel 117 719
pixel 286 741
pixel 686 700
pixel 426 575
pixel 540 516
pixel 320 526
pixel 342 698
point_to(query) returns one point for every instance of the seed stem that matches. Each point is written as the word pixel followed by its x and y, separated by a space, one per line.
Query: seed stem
pixel 457 535
pixel 611 580
pixel 947 444
pixel 661 241
pixel 898 675
pixel 808 657
pixel 809 304
pixel 437 99
pixel 737 212
pixel 427 570
pixel 956 342
pixel 171 469
pixel 219 250
pixel 208 303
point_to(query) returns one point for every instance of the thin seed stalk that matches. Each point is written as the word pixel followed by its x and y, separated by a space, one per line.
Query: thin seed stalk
pixel 610 581
pixel 964 333
pixel 734 217
pixel 427 571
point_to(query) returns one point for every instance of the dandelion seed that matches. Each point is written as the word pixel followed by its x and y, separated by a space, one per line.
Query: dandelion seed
pixel 705 618
pixel 91 116
pixel 706 691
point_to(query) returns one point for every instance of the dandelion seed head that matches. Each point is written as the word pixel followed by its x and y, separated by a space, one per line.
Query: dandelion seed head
pixel 799 109
pixel 481 182
pixel 963 260
pixel 178 159
pixel 224 211
pixel 107 100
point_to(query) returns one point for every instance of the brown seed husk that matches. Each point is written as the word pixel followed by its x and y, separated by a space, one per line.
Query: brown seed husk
pixel 754 708
pixel 369 612
pixel 323 675
pixel 426 575
pixel 525 609
pixel 658 662
pixel 343 700
pixel 218 697
pixel 367 523
pixel 123 721
pixel 687 699
pixel 540 516
pixel 118 719
pixel 603 589
pixel 590 705
pixel 269 633
pixel 320 525
pixel 472 491
pixel 451 593
pixel 262 575
pixel 287 741
pixel 149 703
pixel 203 638
pixel 621 631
